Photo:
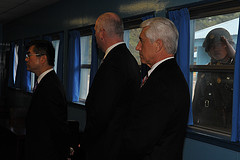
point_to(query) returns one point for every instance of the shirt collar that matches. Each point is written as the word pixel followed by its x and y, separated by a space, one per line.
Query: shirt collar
pixel 111 47
pixel 43 74
pixel 157 64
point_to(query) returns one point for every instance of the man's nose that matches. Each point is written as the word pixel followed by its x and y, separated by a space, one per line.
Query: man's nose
pixel 138 47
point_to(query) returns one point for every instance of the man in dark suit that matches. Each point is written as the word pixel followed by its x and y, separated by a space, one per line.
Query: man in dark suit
pixel 46 121
pixel 157 123
pixel 114 87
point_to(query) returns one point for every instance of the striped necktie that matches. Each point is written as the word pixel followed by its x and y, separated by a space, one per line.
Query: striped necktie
pixel 35 86
pixel 144 80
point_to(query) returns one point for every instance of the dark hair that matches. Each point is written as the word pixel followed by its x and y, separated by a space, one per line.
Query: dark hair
pixel 44 47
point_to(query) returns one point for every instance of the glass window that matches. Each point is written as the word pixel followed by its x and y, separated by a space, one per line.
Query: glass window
pixel 56 47
pixel 212 70
pixel 15 65
pixel 86 49
pixel 32 76
pixel 131 38
pixel 86 52
pixel 84 83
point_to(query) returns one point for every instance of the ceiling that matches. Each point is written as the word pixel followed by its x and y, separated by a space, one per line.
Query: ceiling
pixel 12 9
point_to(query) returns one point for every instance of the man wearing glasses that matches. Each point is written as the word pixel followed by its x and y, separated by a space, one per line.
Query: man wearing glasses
pixel 46 120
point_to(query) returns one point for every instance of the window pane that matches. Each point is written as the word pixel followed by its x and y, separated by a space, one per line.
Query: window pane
pixel 86 49
pixel 212 101
pixel 84 85
pixel 212 90
pixel 133 41
pixel 203 26
pixel 56 46
pixel 32 76
pixel 16 47
pixel 86 52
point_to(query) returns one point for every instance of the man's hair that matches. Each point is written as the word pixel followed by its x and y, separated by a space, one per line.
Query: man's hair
pixel 163 29
pixel 112 24
pixel 44 47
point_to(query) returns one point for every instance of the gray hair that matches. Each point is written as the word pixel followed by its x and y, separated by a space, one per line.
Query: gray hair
pixel 112 24
pixel 164 29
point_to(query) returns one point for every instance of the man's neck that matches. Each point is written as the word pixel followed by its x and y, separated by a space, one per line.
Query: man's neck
pixel 112 41
pixel 43 70
pixel 43 74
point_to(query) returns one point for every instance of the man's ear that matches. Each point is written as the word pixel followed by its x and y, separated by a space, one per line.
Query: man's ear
pixel 43 58
pixel 101 34
pixel 159 45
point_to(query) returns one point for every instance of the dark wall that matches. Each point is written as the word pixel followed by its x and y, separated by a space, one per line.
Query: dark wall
pixel 69 14
pixel 4 52
pixel 1 32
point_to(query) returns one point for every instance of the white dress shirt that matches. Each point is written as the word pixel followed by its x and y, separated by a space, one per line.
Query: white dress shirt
pixel 43 74
pixel 111 47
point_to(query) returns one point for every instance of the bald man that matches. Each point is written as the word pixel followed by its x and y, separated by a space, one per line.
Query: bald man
pixel 116 83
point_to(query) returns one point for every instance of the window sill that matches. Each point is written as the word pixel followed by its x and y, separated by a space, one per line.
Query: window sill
pixel 211 137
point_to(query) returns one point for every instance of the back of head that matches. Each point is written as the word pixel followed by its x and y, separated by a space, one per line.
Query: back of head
pixel 111 23
pixel 214 36
pixel 163 29
pixel 44 47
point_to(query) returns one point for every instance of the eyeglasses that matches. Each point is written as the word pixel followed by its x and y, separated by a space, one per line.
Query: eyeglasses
pixel 29 55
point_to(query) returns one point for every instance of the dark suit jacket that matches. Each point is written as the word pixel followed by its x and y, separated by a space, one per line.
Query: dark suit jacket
pixel 46 121
pixel 158 120
pixel 114 87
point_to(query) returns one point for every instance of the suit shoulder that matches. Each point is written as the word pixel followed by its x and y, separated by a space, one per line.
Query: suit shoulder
pixel 51 81
pixel 121 55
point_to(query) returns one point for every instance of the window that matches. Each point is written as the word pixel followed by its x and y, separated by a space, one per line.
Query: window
pixel 15 65
pixel 56 47
pixel 212 70
pixel 131 38
pixel 132 32
pixel 86 52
